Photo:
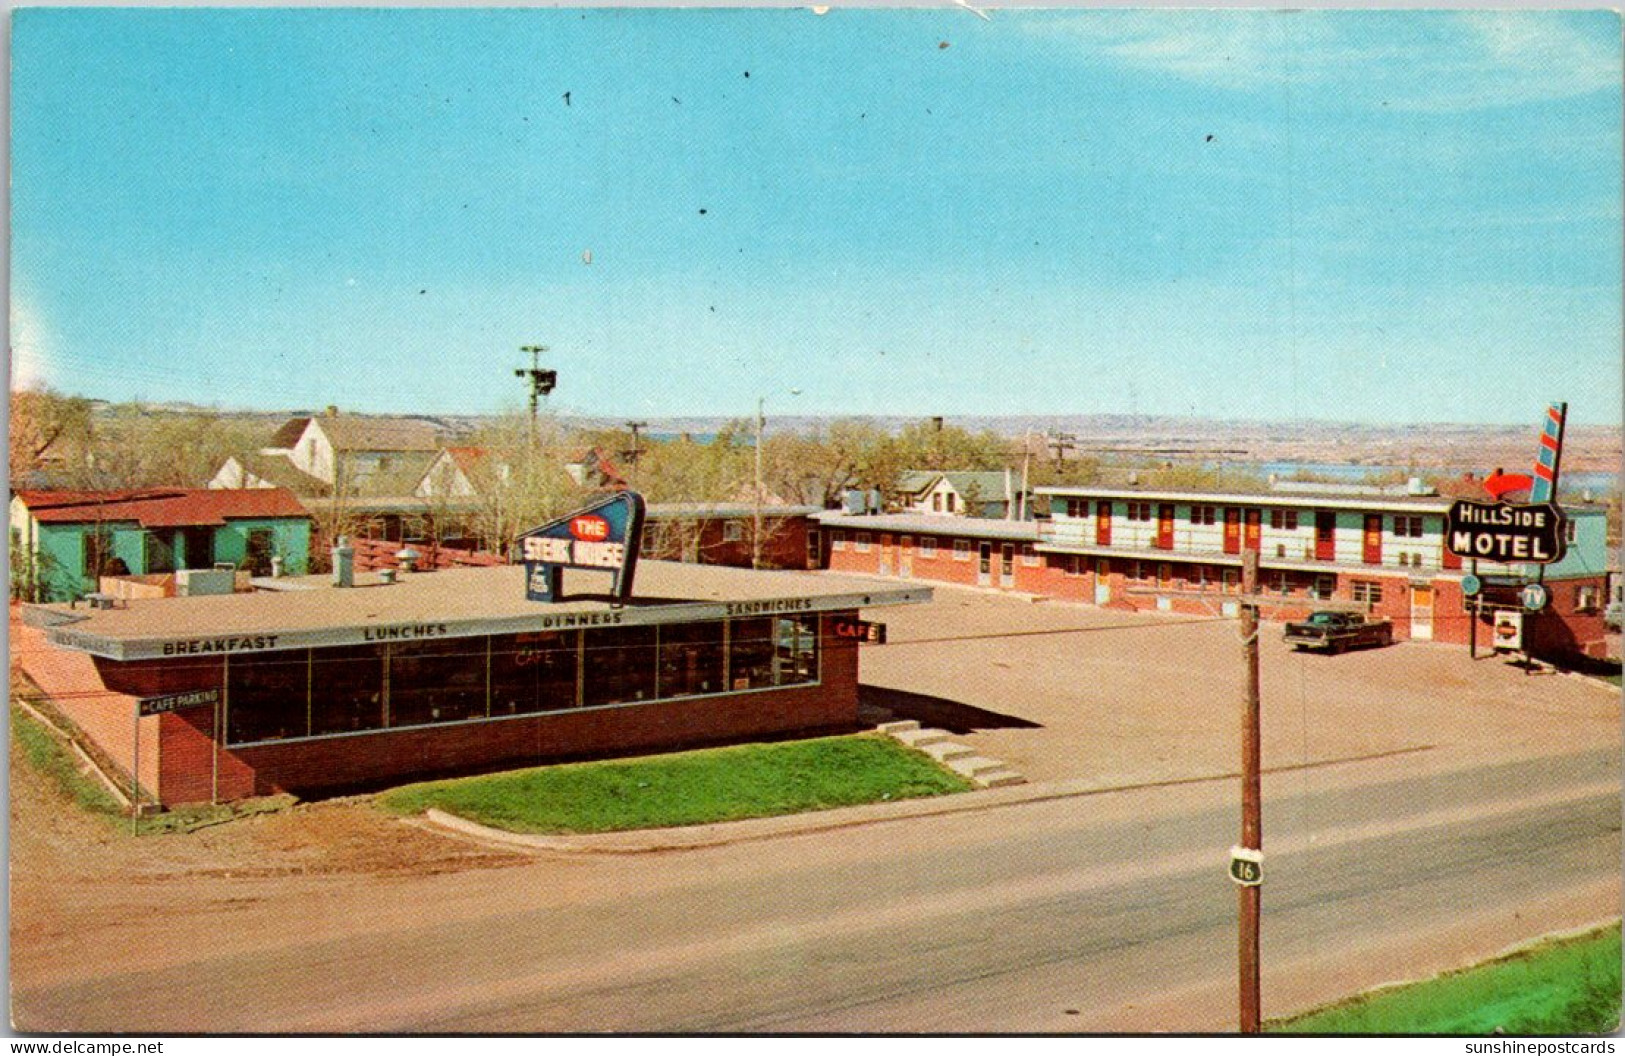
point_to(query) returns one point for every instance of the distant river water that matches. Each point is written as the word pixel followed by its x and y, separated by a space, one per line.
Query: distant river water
pixel 1597 483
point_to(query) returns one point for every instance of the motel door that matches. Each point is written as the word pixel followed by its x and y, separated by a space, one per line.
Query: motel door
pixel 1254 528
pixel 1165 526
pixel 1325 535
pixel 1421 612
pixel 1103 587
pixel 905 557
pixel 1373 539
pixel 1103 524
pixel 984 564
pixel 1007 565
pixel 885 553
pixel 1232 530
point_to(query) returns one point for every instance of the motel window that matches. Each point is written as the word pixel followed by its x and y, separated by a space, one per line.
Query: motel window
pixel 347 689
pixel 861 544
pixel 1202 514
pixel 1324 586
pixel 619 665
pixel 1198 576
pixel 1165 573
pixel 1077 507
pixel 1408 527
pixel 732 531
pixel 1231 581
pixel 1103 567
pixel 1585 597
pixel 961 549
pixel 936 503
pixel 534 671
pixel 1029 556
pixel 1286 520
pixel 928 546
pixel 1365 590
pixel 1139 511
pixel 691 658
pixel 268 696
pixel 837 540
pixel 436 681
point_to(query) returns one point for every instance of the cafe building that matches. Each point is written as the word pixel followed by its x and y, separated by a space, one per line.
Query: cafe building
pixel 305 685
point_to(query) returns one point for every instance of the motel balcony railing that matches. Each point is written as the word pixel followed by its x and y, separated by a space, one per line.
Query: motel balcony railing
pixel 1188 546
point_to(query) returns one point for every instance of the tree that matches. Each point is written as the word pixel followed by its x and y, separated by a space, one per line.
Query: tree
pixel 46 429
pixel 519 482
pixel 924 446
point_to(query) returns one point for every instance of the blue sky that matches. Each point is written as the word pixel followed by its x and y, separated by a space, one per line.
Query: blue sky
pixel 1387 217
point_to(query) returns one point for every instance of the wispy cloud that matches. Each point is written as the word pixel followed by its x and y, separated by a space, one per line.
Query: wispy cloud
pixel 1419 61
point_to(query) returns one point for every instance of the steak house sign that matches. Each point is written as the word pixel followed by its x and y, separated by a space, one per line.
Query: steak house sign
pixel 1505 532
pixel 603 537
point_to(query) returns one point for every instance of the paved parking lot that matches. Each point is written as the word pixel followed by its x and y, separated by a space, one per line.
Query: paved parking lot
pixel 1069 692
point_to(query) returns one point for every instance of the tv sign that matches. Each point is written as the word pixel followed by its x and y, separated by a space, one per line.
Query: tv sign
pixel 603 537
pixel 1506 532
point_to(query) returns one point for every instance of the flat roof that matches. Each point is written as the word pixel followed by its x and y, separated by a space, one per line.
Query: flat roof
pixel 934 524
pixel 1327 500
pixel 308 611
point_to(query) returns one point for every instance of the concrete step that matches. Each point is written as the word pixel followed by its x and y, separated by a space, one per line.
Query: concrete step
pixel 900 726
pixel 943 751
pixel 921 738
pixel 972 765
pixel 998 778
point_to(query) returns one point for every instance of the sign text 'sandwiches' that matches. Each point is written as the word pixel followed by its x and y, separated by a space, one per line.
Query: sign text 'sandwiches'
pixel 767 608
pixel 1505 532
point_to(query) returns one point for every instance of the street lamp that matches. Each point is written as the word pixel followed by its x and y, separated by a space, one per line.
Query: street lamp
pixel 756 534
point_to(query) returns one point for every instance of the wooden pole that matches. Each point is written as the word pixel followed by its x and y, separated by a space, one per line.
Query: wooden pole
pixel 1472 617
pixel 1252 834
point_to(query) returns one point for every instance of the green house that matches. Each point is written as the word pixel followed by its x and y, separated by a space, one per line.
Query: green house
pixel 63 541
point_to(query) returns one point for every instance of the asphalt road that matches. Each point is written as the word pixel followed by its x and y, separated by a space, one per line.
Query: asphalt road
pixel 1104 912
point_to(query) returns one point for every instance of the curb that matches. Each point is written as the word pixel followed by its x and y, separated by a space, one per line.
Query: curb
pixel 728 833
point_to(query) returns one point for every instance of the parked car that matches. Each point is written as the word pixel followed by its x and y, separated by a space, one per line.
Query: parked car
pixel 1337 631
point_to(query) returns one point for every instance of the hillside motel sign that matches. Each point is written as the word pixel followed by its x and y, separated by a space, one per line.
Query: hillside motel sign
pixel 1506 532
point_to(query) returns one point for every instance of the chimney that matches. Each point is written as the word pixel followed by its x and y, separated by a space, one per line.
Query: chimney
pixel 332 410
pixel 343 564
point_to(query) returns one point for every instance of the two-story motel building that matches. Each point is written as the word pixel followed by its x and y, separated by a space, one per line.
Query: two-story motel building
pixel 1138 548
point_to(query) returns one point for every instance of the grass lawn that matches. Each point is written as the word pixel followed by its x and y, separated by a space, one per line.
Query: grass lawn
pixel 45 752
pixel 52 758
pixel 687 788
pixel 1566 986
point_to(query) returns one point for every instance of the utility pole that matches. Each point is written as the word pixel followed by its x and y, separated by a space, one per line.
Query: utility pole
pixel 1247 858
pixel 541 381
pixel 756 534
pixel 633 455
pixel 1250 895
pixel 1061 444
